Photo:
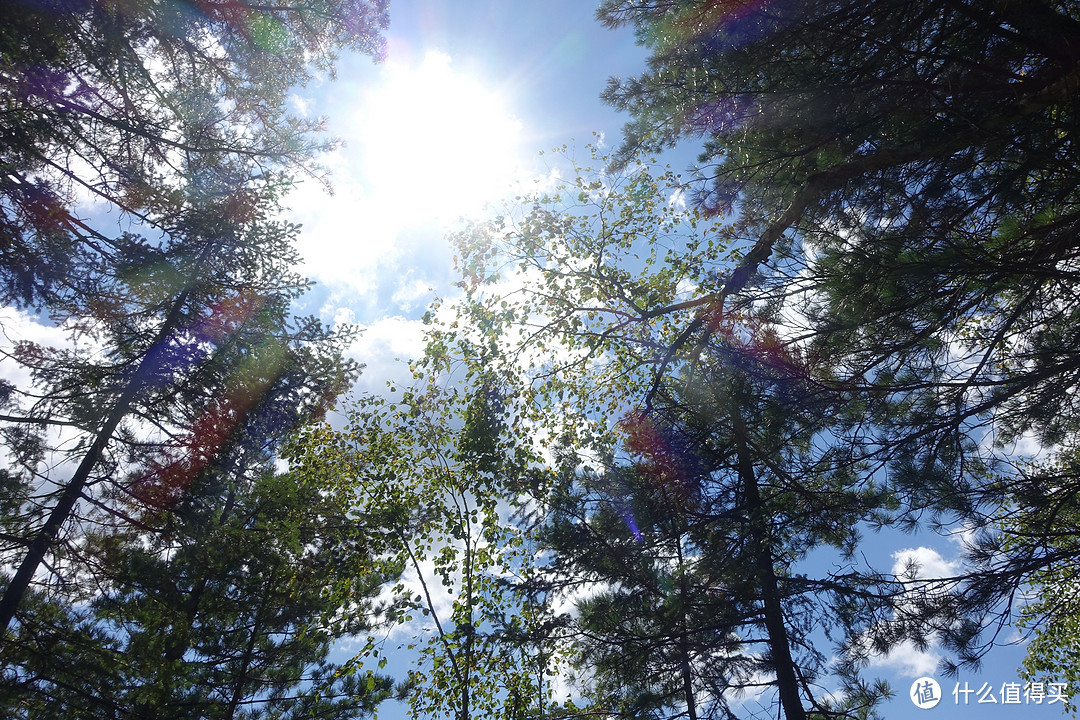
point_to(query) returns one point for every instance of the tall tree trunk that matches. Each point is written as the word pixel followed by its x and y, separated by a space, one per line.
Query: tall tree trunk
pixel 245 666
pixel 787 682
pixel 685 669
pixel 467 652
pixel 65 505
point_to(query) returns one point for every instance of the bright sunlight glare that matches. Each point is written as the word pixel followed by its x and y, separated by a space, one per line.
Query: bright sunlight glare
pixel 437 145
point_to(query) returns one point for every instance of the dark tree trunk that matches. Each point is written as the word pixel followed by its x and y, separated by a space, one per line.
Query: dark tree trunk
pixel 787 682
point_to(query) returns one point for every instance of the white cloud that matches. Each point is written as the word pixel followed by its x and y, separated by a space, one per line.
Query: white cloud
pixel 834 696
pixel 386 347
pixel 916 566
pixel 1027 445
pixel 964 537
pixel 686 289
pixel 300 104
pixel 907 660
pixel 345 235
pixel 923 563
pixel 18 326
pixel 677 199
pixel 753 689
pixel 567 601
pixel 409 290
pixel 547 182
pixel 344 316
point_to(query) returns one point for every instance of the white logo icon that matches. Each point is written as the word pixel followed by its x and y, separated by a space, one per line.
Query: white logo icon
pixel 925 693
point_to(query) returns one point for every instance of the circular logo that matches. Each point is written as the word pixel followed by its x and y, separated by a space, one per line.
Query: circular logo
pixel 925 693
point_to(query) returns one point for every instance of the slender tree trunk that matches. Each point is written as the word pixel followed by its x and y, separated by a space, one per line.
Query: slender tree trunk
pixel 467 652
pixel 65 505
pixel 182 640
pixel 685 668
pixel 245 665
pixel 787 682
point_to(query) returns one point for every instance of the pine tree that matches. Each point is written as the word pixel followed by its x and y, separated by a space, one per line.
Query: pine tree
pixel 223 604
pixel 108 103
pixel 178 324
pixel 907 164
pixel 145 154
pixel 903 176
pixel 699 547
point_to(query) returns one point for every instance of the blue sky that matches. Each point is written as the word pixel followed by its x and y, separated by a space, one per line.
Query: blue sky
pixel 468 96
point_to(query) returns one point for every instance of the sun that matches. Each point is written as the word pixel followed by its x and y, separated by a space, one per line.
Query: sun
pixel 436 144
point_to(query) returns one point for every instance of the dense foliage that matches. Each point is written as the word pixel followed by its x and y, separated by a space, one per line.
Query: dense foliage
pixel 912 168
pixel 693 482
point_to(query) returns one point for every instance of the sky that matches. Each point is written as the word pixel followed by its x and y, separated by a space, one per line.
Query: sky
pixel 468 95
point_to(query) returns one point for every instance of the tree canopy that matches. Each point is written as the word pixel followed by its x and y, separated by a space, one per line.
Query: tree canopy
pixel 110 103
pixel 144 154
pixel 904 179
pixel 437 472
pixel 913 166
pixel 644 448
pixel 695 480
